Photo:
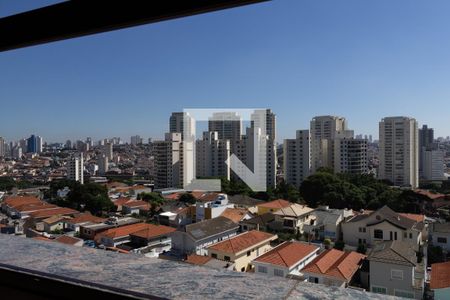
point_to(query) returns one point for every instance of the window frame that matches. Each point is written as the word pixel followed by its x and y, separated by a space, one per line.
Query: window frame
pixel 396 277
pixel 378 231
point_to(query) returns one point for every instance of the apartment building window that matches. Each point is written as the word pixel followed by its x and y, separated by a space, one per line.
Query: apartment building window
pixel 262 269
pixel 379 289
pixel 442 240
pixel 278 272
pixel 397 274
pixel 378 234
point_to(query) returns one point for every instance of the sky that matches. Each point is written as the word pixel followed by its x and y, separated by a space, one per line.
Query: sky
pixel 363 60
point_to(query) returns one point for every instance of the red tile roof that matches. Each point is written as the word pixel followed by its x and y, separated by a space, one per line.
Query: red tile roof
pixel 336 263
pixel 242 242
pixel 68 240
pixel 42 238
pixel 26 207
pixel 234 214
pixel 197 259
pixel 121 201
pixel 440 275
pixel 85 217
pixel 53 212
pixel 137 203
pixel 429 194
pixel 122 231
pixel 287 254
pixel 152 231
pixel 414 217
pixel 13 201
pixel 277 204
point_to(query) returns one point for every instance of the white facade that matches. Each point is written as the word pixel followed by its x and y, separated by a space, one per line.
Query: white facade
pixel 399 155
pixel 75 169
pixel 297 162
pixel 168 161
pixel 182 122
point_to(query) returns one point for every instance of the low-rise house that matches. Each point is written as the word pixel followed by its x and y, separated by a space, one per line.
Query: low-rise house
pixel 207 261
pixel 394 269
pixel 121 201
pixel 90 230
pixel 152 240
pixel 440 235
pixel 194 238
pixel 242 249
pixel 244 201
pixel 53 223
pixel 211 205
pixel 382 225
pixel 440 280
pixel 292 217
pixel 272 206
pixel 258 222
pixel 334 267
pixel 287 259
pixel 135 207
pixel 120 235
pixel 69 240
pixel 325 223
pixel 40 215
pixel 73 224
pixel 22 206
pixel 236 214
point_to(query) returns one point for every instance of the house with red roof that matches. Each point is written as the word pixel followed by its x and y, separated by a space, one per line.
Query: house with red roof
pixel 440 280
pixel 272 206
pixel 333 267
pixel 135 207
pixel 242 249
pixel 288 258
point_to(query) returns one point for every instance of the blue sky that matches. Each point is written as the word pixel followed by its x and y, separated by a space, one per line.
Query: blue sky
pixel 363 60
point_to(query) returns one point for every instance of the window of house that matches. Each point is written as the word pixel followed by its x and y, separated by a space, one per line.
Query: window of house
pixel 214 255
pixel 396 274
pixel 378 234
pixel 278 272
pixel 442 240
pixel 404 294
pixel 262 269
pixel 410 235
pixel 243 269
pixel 378 289
pixel 226 258
pixel 313 279
pixel 288 223
pixel 248 253
pixel 405 235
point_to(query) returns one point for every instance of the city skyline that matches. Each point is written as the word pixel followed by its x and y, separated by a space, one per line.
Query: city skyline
pixel 301 59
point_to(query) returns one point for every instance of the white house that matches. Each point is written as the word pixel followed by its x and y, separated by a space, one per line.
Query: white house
pixel 288 258
pixel 382 225
pixel 325 223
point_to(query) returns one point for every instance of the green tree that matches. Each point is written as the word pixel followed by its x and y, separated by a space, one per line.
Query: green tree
pixel 339 245
pixel 187 198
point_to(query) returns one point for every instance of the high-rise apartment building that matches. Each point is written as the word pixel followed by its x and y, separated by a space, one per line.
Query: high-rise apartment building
pixel 323 130
pixel 399 155
pixel 271 145
pixel 108 150
pixel 211 156
pixel 181 122
pixel 34 144
pixel 228 125
pixel 296 158
pixel 136 140
pixel 168 161
pixel 426 144
pixel 103 164
pixel 433 164
pixel 2 147
pixel 75 168
pixel 350 155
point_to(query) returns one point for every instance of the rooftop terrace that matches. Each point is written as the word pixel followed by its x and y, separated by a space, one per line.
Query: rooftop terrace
pixel 144 278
